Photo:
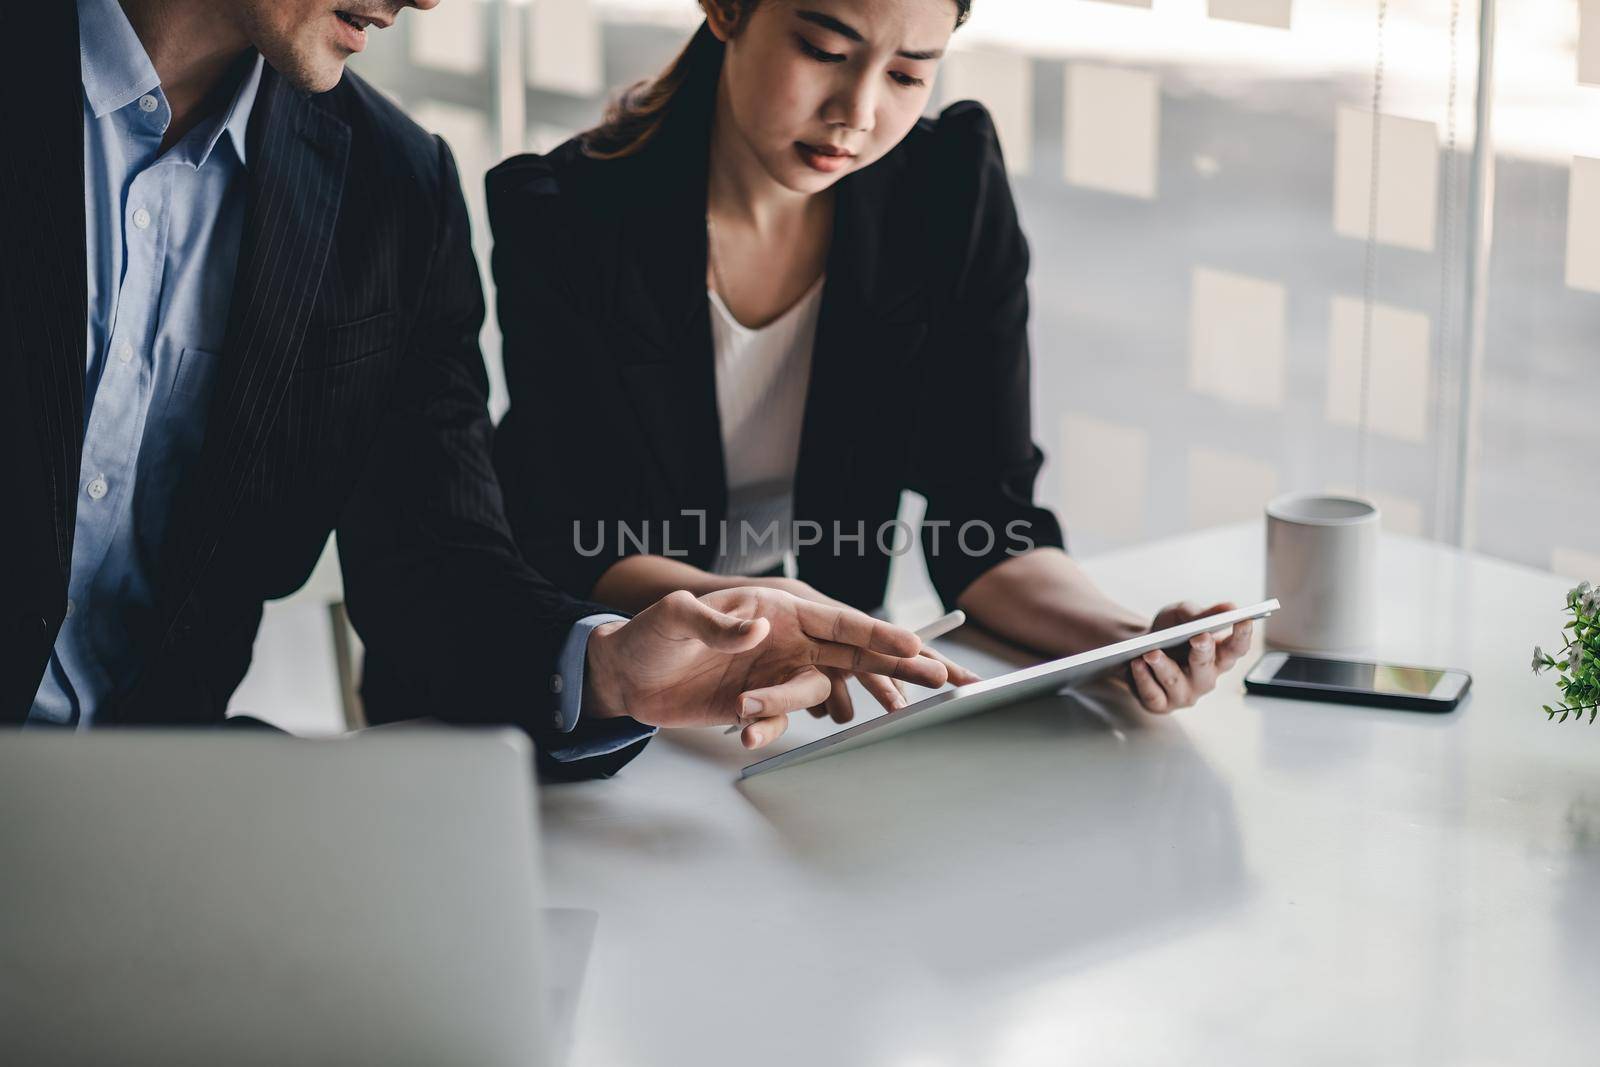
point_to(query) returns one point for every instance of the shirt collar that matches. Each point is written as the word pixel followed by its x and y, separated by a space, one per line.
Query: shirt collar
pixel 236 121
pixel 117 71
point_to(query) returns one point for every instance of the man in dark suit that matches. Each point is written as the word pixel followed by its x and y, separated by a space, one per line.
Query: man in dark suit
pixel 262 325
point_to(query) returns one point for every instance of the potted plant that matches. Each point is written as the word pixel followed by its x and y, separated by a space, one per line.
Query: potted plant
pixel 1578 666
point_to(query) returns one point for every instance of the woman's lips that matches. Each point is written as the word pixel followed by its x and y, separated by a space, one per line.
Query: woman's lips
pixel 825 160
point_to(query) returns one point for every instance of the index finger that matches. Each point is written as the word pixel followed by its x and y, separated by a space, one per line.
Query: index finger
pixel 847 626
pixel 920 670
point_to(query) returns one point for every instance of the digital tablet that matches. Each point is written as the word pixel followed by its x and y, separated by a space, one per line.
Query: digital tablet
pixel 1009 688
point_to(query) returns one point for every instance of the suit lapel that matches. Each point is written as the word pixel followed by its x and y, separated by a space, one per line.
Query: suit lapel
pixel 298 154
pixel 43 264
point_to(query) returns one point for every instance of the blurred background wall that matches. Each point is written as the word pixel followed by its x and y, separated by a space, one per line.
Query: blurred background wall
pixel 1197 180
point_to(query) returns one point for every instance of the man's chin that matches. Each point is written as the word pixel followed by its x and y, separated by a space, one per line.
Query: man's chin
pixel 322 80
pixel 311 74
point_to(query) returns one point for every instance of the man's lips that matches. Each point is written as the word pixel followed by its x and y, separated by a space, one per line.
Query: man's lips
pixel 353 28
pixel 361 22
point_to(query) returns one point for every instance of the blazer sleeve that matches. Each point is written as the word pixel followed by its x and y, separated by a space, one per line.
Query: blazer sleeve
pixel 975 459
pixel 567 462
pixel 457 626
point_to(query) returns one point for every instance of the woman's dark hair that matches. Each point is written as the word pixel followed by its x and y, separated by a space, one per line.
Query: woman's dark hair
pixel 636 115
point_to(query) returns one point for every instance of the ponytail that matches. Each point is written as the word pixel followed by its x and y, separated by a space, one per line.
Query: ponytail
pixel 633 119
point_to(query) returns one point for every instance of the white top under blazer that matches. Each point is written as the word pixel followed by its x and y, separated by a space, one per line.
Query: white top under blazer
pixel 762 380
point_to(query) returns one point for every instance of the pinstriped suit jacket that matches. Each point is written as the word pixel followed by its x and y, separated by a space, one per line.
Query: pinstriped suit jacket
pixel 351 395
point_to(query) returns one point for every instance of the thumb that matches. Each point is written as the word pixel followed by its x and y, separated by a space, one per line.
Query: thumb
pixel 685 615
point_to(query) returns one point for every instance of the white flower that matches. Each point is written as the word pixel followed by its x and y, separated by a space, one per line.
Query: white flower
pixel 1591 601
pixel 1538 660
pixel 1580 591
pixel 1574 658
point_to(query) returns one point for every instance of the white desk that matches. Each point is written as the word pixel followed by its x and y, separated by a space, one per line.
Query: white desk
pixel 1248 881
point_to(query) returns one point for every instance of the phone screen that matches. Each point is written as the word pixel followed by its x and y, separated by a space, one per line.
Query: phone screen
pixel 1348 674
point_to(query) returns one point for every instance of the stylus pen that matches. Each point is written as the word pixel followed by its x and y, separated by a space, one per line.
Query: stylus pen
pixel 937 628
pixel 942 625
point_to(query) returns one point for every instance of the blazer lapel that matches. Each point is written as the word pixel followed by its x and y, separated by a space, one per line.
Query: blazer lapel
pixel 676 396
pixel 298 154
pixel 873 320
pixel 684 418
pixel 42 265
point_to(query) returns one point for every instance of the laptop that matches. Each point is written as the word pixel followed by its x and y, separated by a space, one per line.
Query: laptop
pixel 223 897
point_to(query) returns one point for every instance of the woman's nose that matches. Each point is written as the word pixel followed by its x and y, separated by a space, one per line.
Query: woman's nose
pixel 853 106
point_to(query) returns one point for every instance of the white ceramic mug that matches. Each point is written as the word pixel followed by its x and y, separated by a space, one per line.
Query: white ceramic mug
pixel 1322 564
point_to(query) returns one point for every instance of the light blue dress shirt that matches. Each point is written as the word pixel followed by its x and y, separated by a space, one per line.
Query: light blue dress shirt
pixel 162 238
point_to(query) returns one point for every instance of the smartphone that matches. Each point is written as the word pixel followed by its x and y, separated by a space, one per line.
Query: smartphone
pixel 1386 685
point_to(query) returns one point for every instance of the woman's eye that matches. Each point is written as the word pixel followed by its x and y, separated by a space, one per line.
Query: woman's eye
pixel 818 54
pixel 907 80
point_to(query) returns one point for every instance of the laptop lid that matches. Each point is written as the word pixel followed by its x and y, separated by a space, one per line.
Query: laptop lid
pixel 217 897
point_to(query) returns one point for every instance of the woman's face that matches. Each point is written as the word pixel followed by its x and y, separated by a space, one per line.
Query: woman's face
pixel 820 88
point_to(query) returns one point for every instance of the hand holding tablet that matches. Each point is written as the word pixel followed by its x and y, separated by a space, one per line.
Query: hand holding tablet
pixel 1166 682
pixel 1010 688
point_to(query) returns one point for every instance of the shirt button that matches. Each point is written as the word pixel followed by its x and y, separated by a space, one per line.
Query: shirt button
pixel 125 352
pixel 141 218
pixel 556 684
pixel 97 487
pixel 147 103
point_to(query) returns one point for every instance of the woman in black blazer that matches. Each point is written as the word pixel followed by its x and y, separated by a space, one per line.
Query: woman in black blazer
pixel 784 148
